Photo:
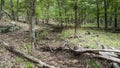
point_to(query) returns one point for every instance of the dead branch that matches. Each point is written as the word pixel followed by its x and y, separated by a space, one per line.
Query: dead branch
pixel 22 54
pixel 97 53
pixel 113 59
pixel 97 50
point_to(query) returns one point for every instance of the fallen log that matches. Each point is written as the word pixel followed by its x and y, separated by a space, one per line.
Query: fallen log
pixel 97 50
pixel 107 54
pixel 96 53
pixel 112 54
pixel 22 54
pixel 113 59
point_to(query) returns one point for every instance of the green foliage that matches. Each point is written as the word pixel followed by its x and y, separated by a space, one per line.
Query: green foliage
pixel 27 47
pixel 65 34
pixel 44 33
pixel 28 65
pixel 7 29
pixel 46 9
pixel 104 38
pixel 93 64
pixel 25 62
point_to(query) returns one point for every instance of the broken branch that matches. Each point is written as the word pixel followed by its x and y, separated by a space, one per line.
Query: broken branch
pixel 22 54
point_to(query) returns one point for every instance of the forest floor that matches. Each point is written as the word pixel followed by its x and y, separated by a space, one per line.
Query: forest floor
pixel 50 36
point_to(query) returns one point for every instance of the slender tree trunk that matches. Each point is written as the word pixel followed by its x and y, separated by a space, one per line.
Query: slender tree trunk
pixel 65 19
pixel 31 20
pixel 76 15
pixel 12 11
pixel 60 13
pixel 2 8
pixel 47 12
pixel 105 13
pixel 115 18
pixel 98 14
pixel 33 23
pixel 17 17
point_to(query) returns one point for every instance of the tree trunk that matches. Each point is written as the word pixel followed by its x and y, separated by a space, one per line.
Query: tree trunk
pixel 60 13
pixel 17 17
pixel 115 18
pixel 2 8
pixel 12 11
pixel 105 13
pixel 98 13
pixel 76 16
pixel 47 12
pixel 31 20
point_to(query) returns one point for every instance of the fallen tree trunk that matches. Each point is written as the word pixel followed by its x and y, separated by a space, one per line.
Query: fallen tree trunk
pixel 112 54
pixel 79 51
pixel 109 58
pixel 95 52
pixel 103 54
pixel 22 54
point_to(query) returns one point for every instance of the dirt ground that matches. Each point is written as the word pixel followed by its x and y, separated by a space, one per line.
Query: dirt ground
pixel 62 59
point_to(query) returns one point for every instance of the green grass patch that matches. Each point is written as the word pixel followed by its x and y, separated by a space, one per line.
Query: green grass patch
pixel 26 47
pixel 66 33
pixel 104 38
pixel 24 62
pixel 43 34
pixel 93 64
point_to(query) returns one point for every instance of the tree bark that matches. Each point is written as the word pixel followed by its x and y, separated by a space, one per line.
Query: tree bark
pixel 47 12
pixel 98 50
pixel 31 20
pixel 105 13
pixel 115 18
pixel 113 59
pixel 2 8
pixel 60 13
pixel 98 14
pixel 12 11
pixel 76 16
pixel 17 17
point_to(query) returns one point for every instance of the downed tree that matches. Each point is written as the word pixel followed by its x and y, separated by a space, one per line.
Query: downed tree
pixel 96 53
pixel 22 54
pixel 102 53
pixel 113 59
pixel 97 50
pixel 80 49
pixel 112 54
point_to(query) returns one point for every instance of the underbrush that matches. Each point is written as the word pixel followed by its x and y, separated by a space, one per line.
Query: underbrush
pixel 96 37
pixel 91 63
pixel 25 63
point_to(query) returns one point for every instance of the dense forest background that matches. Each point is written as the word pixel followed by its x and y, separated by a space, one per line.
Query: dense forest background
pixel 103 13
